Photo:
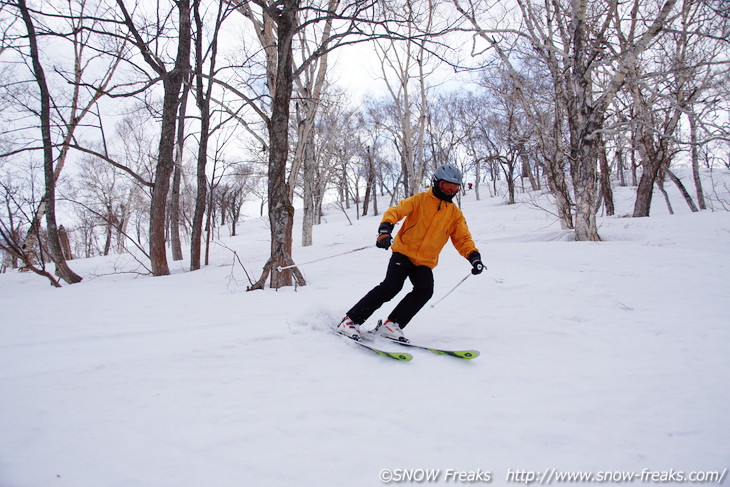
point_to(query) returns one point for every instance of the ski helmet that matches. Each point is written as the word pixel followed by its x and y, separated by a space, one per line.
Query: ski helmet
pixel 449 173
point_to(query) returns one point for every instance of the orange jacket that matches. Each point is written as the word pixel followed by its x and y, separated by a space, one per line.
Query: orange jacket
pixel 430 222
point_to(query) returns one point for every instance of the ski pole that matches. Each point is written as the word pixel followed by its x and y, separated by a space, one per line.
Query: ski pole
pixel 280 268
pixel 452 289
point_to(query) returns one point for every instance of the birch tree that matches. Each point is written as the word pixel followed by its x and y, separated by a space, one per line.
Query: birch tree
pixel 404 65
pixel 576 41
pixel 674 81
pixel 309 88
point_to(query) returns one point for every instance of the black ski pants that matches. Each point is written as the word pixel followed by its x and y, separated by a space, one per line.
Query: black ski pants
pixel 399 268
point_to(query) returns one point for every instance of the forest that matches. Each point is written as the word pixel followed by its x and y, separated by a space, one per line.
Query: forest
pixel 147 126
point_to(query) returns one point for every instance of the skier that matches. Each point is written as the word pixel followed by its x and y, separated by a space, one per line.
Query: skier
pixel 430 220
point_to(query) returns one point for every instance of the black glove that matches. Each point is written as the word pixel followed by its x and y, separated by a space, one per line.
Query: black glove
pixel 476 263
pixel 385 239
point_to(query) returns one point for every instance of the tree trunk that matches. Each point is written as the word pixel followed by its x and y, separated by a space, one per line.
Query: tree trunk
pixel 201 196
pixel 176 179
pixel 660 184
pixel 163 171
pixel 321 187
pixel 583 168
pixel 527 171
pixel 620 166
pixel 508 167
pixel 651 161
pixel 281 210
pixel 682 190
pixel 555 176
pixel 584 121
pixel 109 227
pixel 477 179
pixel 370 189
pixel 308 190
pixel 696 161
pixel 644 191
pixel 165 158
pixel 375 194
pixel 210 220
pixel 65 243
pixel 54 245
pixel 605 178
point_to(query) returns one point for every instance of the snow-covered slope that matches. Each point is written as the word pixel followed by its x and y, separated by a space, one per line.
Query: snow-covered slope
pixel 596 357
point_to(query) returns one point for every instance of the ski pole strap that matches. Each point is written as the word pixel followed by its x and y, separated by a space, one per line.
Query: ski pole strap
pixel 452 289
pixel 280 268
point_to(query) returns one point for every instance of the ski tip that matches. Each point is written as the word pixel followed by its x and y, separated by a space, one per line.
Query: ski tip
pixel 467 354
pixel 405 357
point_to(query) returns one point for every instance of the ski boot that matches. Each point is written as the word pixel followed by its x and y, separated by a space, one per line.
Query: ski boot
pixel 390 330
pixel 349 328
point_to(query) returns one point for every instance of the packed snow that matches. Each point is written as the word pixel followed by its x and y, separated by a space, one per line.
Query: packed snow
pixel 595 357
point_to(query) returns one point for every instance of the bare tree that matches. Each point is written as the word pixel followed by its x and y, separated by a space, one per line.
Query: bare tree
pixel 370 147
pixel 242 183
pixel 172 79
pixel 309 86
pixel 49 199
pixel 276 28
pixel 404 65
pixel 15 214
pixel 62 111
pixel 205 53
pixel 217 191
pixel 572 40
pixel 382 116
pixel 672 82
pixel 704 60
pixel 277 25
pixel 444 134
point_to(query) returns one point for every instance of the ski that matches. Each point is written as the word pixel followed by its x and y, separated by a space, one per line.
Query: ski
pixel 384 353
pixel 465 354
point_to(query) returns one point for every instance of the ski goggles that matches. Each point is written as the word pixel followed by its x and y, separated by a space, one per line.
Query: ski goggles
pixel 449 188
